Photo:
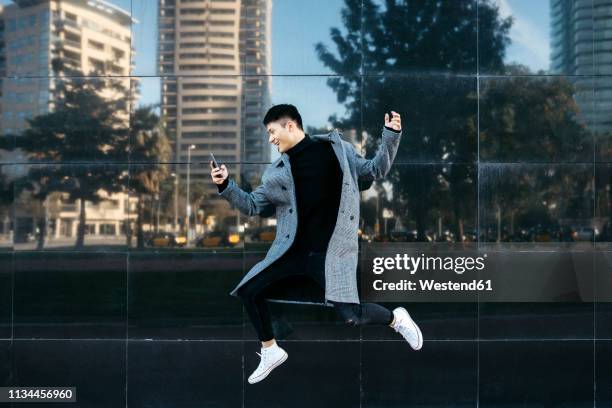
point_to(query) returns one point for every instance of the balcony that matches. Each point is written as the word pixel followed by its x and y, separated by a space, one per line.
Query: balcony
pixel 63 23
pixel 67 207
pixel 71 43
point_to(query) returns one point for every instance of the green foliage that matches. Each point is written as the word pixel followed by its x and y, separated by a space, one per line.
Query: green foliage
pixel 83 145
pixel 429 42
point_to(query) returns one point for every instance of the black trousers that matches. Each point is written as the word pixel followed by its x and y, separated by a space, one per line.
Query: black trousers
pixel 311 264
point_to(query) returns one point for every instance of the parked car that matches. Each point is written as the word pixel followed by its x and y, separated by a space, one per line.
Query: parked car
pixel 469 235
pixel 401 235
pixel 605 234
pixel 166 239
pixel 566 234
pixel 542 234
pixel 211 239
pixel 264 234
pixel 584 234
pixel 217 238
pixel 180 240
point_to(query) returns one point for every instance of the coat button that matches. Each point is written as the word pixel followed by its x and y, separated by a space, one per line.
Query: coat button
pixel 287 236
pixel 283 187
pixel 352 217
pixel 291 210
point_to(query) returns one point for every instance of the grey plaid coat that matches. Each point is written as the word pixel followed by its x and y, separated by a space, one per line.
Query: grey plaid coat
pixel 276 195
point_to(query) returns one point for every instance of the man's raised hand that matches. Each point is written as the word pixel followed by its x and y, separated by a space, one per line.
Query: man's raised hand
pixel 395 123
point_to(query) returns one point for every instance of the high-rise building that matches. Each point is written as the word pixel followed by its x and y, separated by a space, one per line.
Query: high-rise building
pixel 581 46
pixel 89 36
pixel 571 37
pixel 256 55
pixel 207 50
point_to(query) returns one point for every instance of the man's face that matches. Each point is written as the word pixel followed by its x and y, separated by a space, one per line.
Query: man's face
pixel 280 134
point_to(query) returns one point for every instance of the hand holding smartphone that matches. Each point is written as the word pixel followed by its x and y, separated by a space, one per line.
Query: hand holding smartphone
pixel 218 172
pixel 212 157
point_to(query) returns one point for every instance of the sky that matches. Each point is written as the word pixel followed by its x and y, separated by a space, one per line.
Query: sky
pixel 297 25
pixel 529 35
pixel 530 32
pixel 288 52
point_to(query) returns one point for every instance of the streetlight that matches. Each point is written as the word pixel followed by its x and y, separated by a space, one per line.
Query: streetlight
pixel 175 223
pixel 188 209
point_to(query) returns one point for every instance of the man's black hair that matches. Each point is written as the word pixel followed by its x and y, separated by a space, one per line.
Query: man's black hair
pixel 283 110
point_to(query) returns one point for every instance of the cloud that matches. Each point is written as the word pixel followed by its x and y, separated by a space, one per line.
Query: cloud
pixel 530 43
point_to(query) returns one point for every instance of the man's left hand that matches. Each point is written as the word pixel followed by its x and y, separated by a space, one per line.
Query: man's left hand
pixel 395 123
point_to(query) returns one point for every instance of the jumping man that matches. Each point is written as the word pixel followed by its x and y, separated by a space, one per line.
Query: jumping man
pixel 313 189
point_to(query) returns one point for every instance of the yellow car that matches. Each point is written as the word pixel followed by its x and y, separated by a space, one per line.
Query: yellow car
pixel 264 234
pixel 181 240
pixel 161 240
pixel 216 239
pixel 233 238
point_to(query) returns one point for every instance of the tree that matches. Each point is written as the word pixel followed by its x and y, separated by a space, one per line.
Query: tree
pixel 7 186
pixel 38 185
pixel 150 152
pixel 536 119
pixel 86 123
pixel 414 37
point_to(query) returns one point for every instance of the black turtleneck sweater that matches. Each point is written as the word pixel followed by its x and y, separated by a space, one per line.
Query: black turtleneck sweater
pixel 318 185
pixel 317 177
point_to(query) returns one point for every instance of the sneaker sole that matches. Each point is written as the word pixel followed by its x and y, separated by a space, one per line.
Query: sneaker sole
pixel 416 327
pixel 269 370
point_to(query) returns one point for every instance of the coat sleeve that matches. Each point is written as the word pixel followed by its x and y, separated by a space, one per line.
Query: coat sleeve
pixel 378 166
pixel 253 203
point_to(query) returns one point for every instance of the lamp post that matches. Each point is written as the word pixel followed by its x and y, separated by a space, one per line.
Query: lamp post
pixel 175 223
pixel 188 209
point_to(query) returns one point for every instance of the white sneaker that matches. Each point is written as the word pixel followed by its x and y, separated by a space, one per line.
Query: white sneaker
pixel 407 328
pixel 271 357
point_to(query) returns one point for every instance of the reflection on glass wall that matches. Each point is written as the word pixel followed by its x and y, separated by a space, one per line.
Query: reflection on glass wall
pixel 59 206
pixel 6 209
pixel 536 203
pixel 109 111
pixel 422 203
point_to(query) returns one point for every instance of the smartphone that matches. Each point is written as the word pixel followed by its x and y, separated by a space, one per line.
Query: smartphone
pixel 212 157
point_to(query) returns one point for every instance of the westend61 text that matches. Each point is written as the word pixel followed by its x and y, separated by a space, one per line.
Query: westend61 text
pixel 432 285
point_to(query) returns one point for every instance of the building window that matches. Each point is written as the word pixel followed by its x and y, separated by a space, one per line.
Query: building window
pixel 222 11
pixel 11 25
pixel 107 229
pixel 95 45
